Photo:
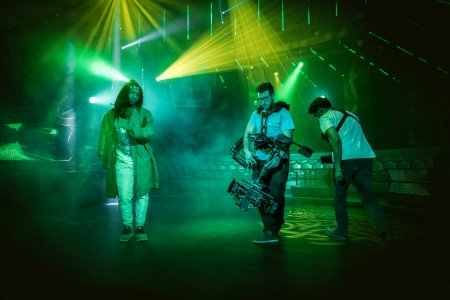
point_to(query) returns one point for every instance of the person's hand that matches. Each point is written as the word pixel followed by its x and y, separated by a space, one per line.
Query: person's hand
pixel 123 123
pixel 274 162
pixel 339 175
pixel 250 160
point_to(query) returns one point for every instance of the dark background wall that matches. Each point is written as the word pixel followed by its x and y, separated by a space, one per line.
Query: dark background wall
pixel 405 108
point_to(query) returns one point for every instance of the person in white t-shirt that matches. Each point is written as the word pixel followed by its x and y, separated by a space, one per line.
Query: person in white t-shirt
pixel 353 160
pixel 271 119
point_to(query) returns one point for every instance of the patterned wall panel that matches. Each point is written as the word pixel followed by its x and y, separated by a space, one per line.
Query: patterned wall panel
pixel 394 171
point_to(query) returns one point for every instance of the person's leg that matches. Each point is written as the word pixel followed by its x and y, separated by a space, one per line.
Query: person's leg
pixel 363 184
pixel 275 180
pixel 141 209
pixel 340 199
pixel 270 221
pixel 141 206
pixel 125 186
pixel 278 189
pixel 266 218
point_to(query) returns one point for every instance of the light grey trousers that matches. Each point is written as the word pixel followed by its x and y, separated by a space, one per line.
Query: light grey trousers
pixel 125 183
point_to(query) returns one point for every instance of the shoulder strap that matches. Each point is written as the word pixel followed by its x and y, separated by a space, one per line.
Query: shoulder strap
pixel 281 104
pixel 277 106
pixel 264 116
pixel 341 122
pixel 346 114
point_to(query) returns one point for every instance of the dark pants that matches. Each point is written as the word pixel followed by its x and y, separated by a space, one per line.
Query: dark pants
pixel 275 180
pixel 359 173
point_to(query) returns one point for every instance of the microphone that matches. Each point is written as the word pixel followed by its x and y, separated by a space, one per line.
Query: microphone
pixel 264 116
pixel 264 113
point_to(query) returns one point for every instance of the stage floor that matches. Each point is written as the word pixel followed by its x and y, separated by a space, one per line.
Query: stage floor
pixel 200 248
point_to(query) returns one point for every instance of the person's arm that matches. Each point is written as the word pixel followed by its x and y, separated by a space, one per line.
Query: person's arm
pixel 288 125
pixel 141 131
pixel 289 133
pixel 250 129
pixel 275 161
pixel 336 146
pixel 144 130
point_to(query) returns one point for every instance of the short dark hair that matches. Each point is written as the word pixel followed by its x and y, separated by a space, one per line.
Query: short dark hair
pixel 265 86
pixel 318 102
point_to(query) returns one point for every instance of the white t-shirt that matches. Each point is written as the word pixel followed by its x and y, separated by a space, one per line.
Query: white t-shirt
pixel 123 148
pixel 277 123
pixel 354 142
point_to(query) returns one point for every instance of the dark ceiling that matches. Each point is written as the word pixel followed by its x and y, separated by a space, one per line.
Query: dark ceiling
pixel 401 45
pixel 419 27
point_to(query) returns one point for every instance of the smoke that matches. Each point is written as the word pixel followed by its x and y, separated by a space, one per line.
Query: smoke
pixel 187 127
pixel 192 139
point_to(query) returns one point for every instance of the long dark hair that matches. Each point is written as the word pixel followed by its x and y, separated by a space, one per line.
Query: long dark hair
pixel 122 102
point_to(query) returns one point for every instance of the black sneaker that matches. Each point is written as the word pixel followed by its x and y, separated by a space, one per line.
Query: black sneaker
pixel 332 233
pixel 140 234
pixel 269 238
pixel 386 242
pixel 126 234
